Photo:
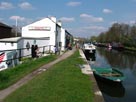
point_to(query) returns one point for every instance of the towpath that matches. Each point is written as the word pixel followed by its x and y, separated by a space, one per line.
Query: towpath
pixel 4 93
pixel 97 94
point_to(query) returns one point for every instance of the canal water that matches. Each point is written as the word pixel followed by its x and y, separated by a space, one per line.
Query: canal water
pixel 125 62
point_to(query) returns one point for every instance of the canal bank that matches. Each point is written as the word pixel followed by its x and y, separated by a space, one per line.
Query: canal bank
pixel 5 92
pixel 75 76
pixel 86 69
pixel 126 63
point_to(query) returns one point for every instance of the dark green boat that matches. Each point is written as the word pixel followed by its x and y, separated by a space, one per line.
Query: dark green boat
pixel 109 74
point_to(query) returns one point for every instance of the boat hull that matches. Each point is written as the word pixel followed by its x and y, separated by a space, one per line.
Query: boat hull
pixel 113 90
pixel 88 51
pixel 109 75
pixel 89 48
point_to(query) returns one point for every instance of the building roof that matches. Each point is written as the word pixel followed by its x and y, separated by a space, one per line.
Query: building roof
pixel 13 39
pixel 52 19
pixel 16 39
pixel 4 25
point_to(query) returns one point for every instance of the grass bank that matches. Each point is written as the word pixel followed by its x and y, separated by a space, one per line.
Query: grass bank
pixel 12 75
pixel 64 82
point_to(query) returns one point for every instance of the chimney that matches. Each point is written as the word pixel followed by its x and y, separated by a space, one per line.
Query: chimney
pixel 59 23
pixel 53 19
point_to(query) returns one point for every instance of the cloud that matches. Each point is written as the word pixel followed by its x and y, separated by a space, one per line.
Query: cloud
pixel 87 31
pixel 134 0
pixel 79 32
pixel 107 11
pixel 111 23
pixel 17 18
pixel 132 22
pixel 74 4
pixel 22 20
pixel 6 5
pixel 98 28
pixel 91 18
pixel 66 19
pixel 1 19
pixel 26 6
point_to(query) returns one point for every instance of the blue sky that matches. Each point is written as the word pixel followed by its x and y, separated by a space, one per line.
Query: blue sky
pixel 82 18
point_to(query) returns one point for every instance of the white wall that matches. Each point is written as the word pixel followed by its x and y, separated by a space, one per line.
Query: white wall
pixel 47 28
pixel 7 45
pixel 35 41
pixel 56 33
pixel 21 43
pixel 63 39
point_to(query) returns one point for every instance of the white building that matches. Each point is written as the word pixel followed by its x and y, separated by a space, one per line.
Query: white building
pixel 18 47
pixel 45 32
pixel 47 27
pixel 22 43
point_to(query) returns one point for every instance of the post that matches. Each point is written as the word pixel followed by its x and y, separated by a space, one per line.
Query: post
pixel 16 27
pixel 19 54
pixel 49 48
pixel 43 49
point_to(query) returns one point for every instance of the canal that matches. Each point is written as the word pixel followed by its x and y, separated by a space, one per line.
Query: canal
pixel 125 62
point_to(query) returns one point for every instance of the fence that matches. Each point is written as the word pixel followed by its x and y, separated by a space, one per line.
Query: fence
pixel 12 57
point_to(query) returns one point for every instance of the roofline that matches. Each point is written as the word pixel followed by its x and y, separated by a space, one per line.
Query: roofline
pixel 19 38
pixel 42 19
pixel 5 25
pixel 68 33
pixel 54 22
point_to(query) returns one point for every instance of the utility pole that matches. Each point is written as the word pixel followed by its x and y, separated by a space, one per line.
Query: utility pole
pixel 16 27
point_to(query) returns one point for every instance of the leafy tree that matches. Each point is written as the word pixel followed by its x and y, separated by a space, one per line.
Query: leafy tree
pixel 119 33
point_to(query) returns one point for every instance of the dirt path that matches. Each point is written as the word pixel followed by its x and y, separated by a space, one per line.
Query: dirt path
pixel 4 93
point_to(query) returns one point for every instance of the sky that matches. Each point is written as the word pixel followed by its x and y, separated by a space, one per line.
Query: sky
pixel 82 18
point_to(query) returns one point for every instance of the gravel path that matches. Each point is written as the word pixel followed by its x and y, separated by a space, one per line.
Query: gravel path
pixel 4 93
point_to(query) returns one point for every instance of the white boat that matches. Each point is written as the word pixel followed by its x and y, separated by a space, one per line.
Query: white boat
pixel 89 48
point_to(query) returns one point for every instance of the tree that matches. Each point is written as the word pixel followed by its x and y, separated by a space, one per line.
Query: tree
pixel 119 33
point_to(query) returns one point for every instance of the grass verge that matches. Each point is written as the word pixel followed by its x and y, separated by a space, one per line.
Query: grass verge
pixel 12 75
pixel 64 82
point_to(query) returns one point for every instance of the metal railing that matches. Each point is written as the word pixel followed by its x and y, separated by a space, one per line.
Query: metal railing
pixel 12 57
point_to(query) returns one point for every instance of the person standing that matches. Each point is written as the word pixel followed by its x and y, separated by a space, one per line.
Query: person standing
pixel 55 50
pixel 33 51
pixel 36 51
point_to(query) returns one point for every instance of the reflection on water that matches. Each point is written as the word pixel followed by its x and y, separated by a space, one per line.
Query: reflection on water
pixel 115 59
pixel 90 56
pixel 113 90
pixel 126 62
pixel 118 59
